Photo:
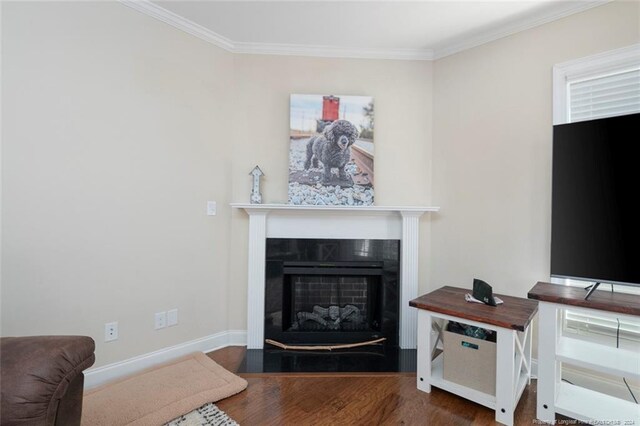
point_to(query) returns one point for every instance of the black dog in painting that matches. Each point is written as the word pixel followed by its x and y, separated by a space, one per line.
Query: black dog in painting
pixel 332 148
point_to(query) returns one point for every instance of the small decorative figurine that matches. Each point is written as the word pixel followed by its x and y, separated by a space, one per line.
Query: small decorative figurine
pixel 256 196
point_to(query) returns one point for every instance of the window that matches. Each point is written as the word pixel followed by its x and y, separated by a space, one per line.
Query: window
pixel 604 96
pixel 599 86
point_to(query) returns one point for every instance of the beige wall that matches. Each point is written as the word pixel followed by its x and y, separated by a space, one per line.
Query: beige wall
pixel 118 130
pixel 402 96
pixel 115 133
pixel 492 147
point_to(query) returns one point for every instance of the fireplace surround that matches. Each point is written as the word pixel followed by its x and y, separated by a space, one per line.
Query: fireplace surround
pixel 332 291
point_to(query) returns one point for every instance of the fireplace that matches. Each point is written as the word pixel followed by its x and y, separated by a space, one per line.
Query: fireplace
pixel 332 291
pixel 280 233
pixel 279 221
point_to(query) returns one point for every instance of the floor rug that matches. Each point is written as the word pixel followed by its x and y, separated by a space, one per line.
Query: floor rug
pixel 207 415
pixel 160 394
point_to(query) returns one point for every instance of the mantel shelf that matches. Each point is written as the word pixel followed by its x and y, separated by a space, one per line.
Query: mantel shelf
pixel 347 209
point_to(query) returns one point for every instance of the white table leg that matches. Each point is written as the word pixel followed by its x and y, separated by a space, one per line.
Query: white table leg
pixel 548 368
pixel 528 347
pixel 424 351
pixel 505 376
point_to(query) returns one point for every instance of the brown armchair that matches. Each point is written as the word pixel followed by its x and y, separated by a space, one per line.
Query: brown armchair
pixel 41 379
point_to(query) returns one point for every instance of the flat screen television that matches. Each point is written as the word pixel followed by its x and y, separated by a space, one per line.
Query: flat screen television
pixel 595 220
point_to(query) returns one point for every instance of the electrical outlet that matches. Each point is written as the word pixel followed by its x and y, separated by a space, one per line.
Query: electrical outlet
pixel 172 317
pixel 111 331
pixel 161 320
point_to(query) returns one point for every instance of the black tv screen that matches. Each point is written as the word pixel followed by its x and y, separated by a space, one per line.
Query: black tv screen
pixel 595 228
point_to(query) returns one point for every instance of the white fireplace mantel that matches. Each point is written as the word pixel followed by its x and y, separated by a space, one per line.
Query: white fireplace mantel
pixel 349 209
pixel 345 222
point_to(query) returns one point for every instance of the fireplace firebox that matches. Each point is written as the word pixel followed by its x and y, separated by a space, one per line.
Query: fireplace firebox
pixel 321 291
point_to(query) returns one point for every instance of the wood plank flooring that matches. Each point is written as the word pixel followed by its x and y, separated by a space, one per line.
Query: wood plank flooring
pixel 330 399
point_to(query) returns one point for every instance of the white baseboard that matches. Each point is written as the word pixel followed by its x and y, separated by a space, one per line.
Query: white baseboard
pixel 534 368
pixel 98 376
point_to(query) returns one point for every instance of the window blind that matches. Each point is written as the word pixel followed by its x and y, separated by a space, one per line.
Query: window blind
pixel 607 325
pixel 604 325
pixel 604 96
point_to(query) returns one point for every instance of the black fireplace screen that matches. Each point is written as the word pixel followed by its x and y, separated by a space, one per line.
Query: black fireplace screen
pixel 332 303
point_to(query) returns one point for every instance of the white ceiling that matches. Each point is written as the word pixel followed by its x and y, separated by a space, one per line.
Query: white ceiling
pixel 415 29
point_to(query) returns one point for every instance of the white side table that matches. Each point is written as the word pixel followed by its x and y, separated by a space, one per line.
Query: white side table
pixel 511 321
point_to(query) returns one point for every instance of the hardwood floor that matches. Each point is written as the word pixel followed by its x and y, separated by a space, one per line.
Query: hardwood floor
pixel 376 399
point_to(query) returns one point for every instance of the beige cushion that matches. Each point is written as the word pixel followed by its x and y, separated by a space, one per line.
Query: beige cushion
pixel 160 394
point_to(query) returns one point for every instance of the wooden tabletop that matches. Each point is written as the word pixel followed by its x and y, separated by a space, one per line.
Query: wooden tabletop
pixel 515 313
pixel 603 300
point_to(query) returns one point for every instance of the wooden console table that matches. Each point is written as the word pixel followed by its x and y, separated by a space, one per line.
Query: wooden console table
pixel 511 321
pixel 554 348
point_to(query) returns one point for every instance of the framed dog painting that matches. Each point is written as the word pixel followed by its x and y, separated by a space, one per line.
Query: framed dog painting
pixel 331 150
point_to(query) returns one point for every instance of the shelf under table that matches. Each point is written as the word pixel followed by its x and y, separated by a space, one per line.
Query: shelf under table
pixel 605 359
pixel 584 404
pixel 437 380
pixel 488 400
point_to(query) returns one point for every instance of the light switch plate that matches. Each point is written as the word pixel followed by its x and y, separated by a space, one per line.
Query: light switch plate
pixel 211 208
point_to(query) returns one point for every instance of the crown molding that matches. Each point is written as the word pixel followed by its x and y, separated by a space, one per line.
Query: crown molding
pixel 177 21
pixel 333 51
pixel 197 30
pixel 516 27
